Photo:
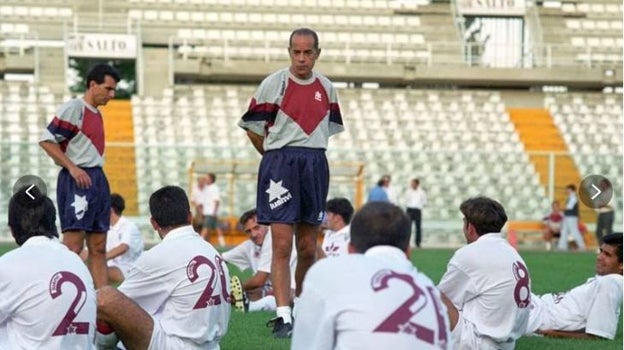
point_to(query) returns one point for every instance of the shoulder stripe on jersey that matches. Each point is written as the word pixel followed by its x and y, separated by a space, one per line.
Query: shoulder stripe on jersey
pixel 261 112
pixel 63 128
pixel 334 113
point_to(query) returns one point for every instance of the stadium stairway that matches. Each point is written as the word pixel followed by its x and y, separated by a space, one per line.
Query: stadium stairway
pixel 120 159
pixel 538 133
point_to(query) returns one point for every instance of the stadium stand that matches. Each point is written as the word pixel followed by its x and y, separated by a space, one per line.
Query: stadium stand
pixel 430 114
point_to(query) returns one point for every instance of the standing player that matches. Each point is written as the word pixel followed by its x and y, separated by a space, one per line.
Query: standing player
pixel 289 121
pixel 338 216
pixel 486 282
pixel 256 293
pixel 177 294
pixel 373 298
pixel 570 224
pixel 588 311
pixel 75 141
pixel 210 198
pixel 47 299
pixel 124 243
pixel 416 200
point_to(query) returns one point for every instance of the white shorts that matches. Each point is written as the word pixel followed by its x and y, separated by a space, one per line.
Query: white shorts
pixel 465 337
pixel 162 341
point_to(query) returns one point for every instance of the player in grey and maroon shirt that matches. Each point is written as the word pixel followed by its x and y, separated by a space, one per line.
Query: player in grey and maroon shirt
pixel 289 121
pixel 74 139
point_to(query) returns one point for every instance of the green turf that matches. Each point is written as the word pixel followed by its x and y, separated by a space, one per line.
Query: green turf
pixel 549 272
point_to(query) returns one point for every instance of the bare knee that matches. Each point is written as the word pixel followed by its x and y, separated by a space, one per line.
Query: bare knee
pixel 96 243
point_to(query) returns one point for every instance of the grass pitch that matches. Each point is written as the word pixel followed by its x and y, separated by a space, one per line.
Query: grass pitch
pixel 549 272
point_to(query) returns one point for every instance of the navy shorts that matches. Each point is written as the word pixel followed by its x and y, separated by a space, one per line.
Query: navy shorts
pixel 85 209
pixel 292 186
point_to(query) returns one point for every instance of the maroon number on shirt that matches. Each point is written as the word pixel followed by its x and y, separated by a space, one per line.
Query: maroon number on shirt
pixel 67 325
pixel 207 298
pixel 400 320
pixel 522 294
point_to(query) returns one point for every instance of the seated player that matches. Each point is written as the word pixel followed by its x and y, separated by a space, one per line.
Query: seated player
pixel 338 216
pixel 47 300
pixel 373 298
pixel 552 224
pixel 124 243
pixel 176 295
pixel 255 294
pixel 486 285
pixel 589 311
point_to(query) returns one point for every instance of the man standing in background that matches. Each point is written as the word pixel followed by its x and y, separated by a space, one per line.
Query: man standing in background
pixel 416 200
pixel 210 198
pixel 74 139
pixel 569 227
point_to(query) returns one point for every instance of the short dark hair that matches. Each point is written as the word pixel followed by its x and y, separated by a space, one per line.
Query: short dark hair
pixel 247 216
pixel 485 214
pixel 118 204
pixel 169 207
pixel 615 240
pixel 571 187
pixel 340 206
pixel 30 217
pixel 380 223
pixel 304 31
pixel 212 177
pixel 100 71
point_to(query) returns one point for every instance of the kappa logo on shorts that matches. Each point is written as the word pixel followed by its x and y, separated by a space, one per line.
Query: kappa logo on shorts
pixel 278 194
pixel 80 206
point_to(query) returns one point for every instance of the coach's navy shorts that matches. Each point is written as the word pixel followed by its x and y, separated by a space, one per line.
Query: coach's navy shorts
pixel 85 209
pixel 292 186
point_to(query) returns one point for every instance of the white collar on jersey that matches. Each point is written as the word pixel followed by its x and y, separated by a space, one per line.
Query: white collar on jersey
pixel 39 240
pixel 180 232
pixel 386 252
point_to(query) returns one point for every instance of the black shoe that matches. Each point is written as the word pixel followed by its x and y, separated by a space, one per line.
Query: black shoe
pixel 280 329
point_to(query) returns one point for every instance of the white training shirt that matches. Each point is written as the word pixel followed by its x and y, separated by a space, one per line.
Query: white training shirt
pixel 209 196
pixel 376 300
pixel 248 255
pixel 39 282
pixel 416 198
pixel 124 231
pixel 336 243
pixel 593 306
pixel 168 282
pixel 482 281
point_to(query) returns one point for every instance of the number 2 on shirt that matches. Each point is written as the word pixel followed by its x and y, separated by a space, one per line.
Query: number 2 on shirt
pixel 207 298
pixel 67 325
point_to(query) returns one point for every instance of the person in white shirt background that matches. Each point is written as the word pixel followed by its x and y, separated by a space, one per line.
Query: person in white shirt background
pixel 47 299
pixel 338 213
pixel 256 293
pixel 587 311
pixel 374 297
pixel 124 243
pixel 486 285
pixel 569 226
pixel 176 295
pixel 210 198
pixel 416 198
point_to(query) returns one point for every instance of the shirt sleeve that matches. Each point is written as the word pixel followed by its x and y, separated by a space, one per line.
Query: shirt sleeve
pixel 6 298
pixel 336 124
pixel 264 106
pixel 266 254
pixel 64 125
pixel 238 256
pixel 604 312
pixel 315 324
pixel 456 285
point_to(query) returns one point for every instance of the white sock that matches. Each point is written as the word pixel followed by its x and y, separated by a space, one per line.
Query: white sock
pixel 264 304
pixel 284 313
